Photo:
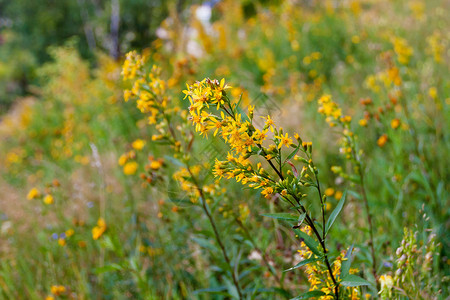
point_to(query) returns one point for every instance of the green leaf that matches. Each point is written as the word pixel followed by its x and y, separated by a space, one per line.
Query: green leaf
pixel 302 263
pixel 309 241
pixel 335 213
pixel 281 216
pixel 211 290
pixel 300 220
pixel 345 266
pixel 310 295
pixel 108 268
pixel 353 280
pixel 292 153
pixel 203 243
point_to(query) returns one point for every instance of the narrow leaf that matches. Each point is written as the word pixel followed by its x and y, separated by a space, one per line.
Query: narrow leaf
pixel 309 241
pixel 291 155
pixel 353 280
pixel 345 266
pixel 281 216
pixel 211 290
pixel 310 295
pixel 302 263
pixel 335 213
pixel 300 220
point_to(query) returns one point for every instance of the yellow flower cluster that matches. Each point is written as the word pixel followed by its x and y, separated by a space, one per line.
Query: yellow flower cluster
pixel 133 65
pixel 402 50
pixel 46 196
pixel 332 111
pixel 58 290
pixel 245 140
pixel 318 276
pixel 184 177
pixel 98 230
pixel 436 46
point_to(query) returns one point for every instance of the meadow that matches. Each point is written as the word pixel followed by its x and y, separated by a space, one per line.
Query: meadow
pixel 251 150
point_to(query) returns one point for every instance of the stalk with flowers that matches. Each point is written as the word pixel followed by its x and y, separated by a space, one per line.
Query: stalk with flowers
pixel 244 163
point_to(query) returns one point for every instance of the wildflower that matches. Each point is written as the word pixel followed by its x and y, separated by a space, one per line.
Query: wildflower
pixel 98 230
pixel 395 123
pixel 138 144
pixel 432 92
pixel 130 168
pixel 284 140
pixel 33 193
pixel 382 140
pixel 58 290
pixel 122 159
pixel 62 242
pixel 329 192
pixel 155 164
pixel 403 50
pixel 387 283
pixel 362 122
pixel 267 192
pixel 48 199
pixel 269 123
pixel 338 195
pixel 69 232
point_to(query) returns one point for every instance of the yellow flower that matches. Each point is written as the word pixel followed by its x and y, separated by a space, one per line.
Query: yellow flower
pixel 155 164
pixel 98 230
pixel 269 123
pixel 432 92
pixel 33 193
pixel 49 298
pixel 48 199
pixel 382 140
pixel 329 192
pixel 62 242
pixel 338 195
pixel 363 122
pixel 69 232
pixel 122 159
pixel 284 140
pixel 267 192
pixel 395 123
pixel 138 144
pixel 58 290
pixel 130 168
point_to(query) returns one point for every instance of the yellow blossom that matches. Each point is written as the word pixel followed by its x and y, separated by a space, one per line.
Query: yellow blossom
pixel 33 193
pixel 395 123
pixel 155 164
pixel 48 199
pixel 58 290
pixel 130 168
pixel 138 144
pixel 284 140
pixel 98 230
pixel 329 192
pixel 382 140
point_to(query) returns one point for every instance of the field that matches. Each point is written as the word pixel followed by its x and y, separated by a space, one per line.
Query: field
pixel 237 150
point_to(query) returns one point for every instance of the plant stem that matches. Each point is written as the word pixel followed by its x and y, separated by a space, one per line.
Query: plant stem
pixel 323 245
pixel 369 220
pixel 216 232
pixel 320 238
